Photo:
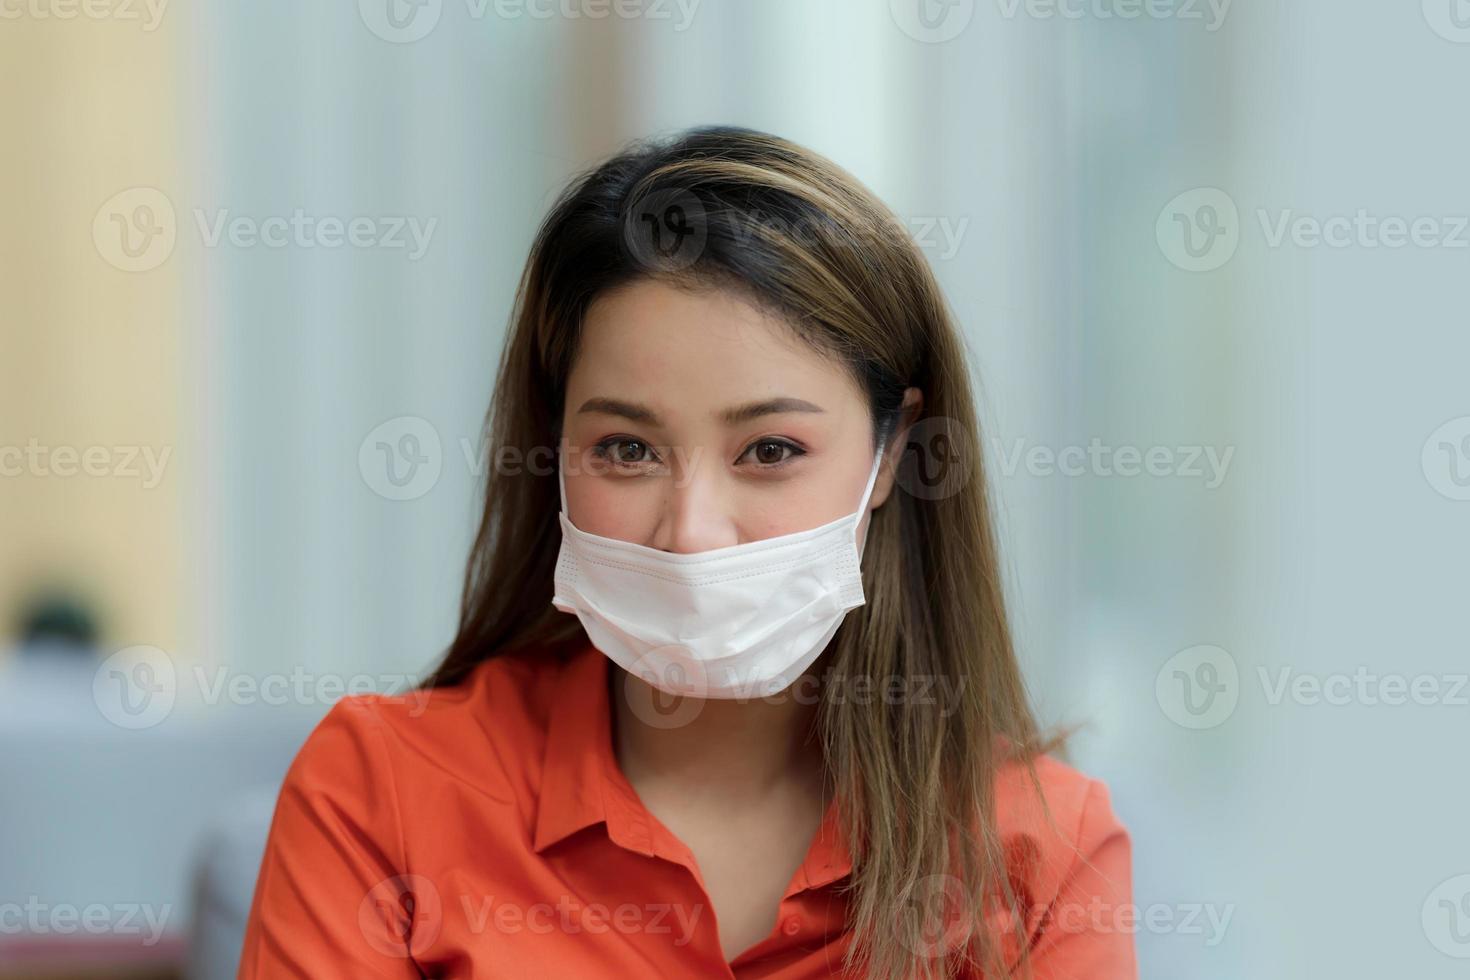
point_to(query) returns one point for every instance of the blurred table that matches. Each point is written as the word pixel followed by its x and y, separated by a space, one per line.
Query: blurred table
pixel 100 825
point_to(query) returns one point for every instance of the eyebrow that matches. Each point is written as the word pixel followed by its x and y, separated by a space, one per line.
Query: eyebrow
pixel 735 415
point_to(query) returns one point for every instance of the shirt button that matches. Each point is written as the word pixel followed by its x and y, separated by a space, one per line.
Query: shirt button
pixel 791 926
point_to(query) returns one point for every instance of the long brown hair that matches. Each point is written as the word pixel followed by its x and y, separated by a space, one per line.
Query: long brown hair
pixel 914 777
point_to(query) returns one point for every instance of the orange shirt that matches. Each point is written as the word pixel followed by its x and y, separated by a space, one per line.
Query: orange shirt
pixel 485 830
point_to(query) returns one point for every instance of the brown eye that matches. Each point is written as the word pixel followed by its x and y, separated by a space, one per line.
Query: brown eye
pixel 625 453
pixel 769 452
pixel 630 451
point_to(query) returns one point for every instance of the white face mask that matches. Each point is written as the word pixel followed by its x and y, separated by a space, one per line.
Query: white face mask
pixel 743 621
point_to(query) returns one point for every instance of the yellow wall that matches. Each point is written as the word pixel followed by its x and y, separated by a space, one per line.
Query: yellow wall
pixel 89 354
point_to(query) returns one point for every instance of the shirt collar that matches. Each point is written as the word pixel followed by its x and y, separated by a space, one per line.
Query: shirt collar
pixel 582 784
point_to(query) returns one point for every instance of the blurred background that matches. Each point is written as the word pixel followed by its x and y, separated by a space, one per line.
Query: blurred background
pixel 1211 260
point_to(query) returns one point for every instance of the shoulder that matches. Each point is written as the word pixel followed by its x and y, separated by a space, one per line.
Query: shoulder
pixel 1061 807
pixel 385 785
pixel 1068 858
pixel 477 732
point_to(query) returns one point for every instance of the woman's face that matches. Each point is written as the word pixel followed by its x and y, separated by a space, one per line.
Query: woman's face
pixel 695 421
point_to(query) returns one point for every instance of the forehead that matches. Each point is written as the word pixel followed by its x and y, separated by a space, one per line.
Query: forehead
pixel 693 352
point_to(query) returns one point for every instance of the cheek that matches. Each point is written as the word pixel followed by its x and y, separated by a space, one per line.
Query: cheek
pixel 788 513
pixel 816 499
pixel 598 507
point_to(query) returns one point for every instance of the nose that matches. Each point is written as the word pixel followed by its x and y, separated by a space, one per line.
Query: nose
pixel 697 514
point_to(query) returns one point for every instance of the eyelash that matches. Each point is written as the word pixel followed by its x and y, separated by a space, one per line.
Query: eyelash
pixel 603 450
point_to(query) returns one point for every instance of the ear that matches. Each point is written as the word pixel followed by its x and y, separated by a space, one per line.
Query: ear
pixel 912 408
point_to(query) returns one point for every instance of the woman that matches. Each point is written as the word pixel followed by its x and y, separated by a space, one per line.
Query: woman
pixel 733 692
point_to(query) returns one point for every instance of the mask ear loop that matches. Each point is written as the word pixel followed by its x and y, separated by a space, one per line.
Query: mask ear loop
pixel 867 495
pixel 561 482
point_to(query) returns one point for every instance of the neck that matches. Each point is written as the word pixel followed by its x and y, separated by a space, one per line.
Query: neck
pixel 717 749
